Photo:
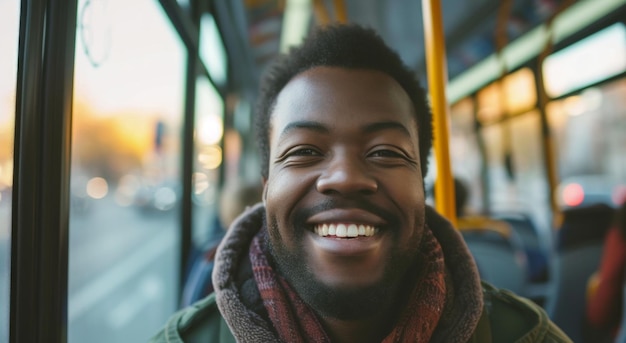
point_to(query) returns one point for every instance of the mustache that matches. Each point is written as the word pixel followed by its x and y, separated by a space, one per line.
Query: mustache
pixel 301 215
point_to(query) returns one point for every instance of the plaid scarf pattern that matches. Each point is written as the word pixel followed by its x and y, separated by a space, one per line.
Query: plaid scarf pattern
pixel 295 322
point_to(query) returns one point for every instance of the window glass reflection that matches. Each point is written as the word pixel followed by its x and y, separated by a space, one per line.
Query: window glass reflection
pixel 208 158
pixel 602 54
pixel 212 50
pixel 490 103
pixel 590 136
pixel 125 178
pixel 528 167
pixel 519 91
pixel 515 167
pixel 465 152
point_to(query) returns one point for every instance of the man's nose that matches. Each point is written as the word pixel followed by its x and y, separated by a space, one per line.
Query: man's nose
pixel 345 175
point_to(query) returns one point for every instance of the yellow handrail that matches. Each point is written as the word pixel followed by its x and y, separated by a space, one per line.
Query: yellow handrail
pixel 321 13
pixel 437 81
pixel 341 13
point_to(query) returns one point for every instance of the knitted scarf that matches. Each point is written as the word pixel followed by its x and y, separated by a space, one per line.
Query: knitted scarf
pixel 295 321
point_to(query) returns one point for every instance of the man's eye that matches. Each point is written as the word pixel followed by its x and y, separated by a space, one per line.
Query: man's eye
pixel 299 155
pixel 305 152
pixel 385 153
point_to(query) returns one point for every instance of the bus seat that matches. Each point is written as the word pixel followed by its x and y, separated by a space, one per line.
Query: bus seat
pixel 537 252
pixel 498 252
pixel 567 295
pixel 486 224
pixel 582 225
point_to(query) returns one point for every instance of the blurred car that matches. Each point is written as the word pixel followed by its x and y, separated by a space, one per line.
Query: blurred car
pixel 159 198
pixel 585 190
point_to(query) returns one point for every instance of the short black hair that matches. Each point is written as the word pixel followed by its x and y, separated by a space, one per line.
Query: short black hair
pixel 346 46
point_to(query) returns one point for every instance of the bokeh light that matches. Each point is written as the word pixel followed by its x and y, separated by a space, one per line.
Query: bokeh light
pixel 97 188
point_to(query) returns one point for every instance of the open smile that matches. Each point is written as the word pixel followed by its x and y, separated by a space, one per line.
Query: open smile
pixel 345 230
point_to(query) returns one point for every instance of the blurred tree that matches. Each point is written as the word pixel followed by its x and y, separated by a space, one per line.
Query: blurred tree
pixel 110 145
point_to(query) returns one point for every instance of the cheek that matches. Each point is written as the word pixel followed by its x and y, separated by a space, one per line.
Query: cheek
pixel 408 191
pixel 409 197
pixel 282 194
pixel 287 186
pixel 280 191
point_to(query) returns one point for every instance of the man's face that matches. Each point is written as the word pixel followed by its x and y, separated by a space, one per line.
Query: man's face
pixel 344 195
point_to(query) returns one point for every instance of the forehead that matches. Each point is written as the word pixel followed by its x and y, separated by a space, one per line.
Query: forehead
pixel 332 95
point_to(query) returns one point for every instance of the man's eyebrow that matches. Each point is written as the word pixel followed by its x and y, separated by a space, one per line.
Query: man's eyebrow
pixel 305 125
pixel 387 125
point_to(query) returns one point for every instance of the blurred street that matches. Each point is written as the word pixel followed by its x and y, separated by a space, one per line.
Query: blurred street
pixel 121 267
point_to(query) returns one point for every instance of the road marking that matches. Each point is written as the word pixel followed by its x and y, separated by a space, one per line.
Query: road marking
pixel 151 287
pixel 98 290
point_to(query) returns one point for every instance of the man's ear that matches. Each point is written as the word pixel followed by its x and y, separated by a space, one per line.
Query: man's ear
pixel 264 181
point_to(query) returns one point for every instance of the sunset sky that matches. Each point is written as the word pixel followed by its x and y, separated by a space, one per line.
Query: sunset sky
pixel 140 59
pixel 130 65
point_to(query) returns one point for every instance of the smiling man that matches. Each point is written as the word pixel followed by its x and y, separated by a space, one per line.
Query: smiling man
pixel 343 247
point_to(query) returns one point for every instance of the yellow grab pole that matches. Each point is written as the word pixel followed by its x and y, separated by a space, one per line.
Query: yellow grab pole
pixel 437 80
pixel 321 13
pixel 341 13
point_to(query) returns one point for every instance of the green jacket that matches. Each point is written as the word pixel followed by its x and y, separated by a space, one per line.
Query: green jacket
pixel 474 312
pixel 506 318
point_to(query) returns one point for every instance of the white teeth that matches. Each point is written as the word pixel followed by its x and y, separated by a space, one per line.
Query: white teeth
pixel 341 230
pixel 352 231
pixel 345 230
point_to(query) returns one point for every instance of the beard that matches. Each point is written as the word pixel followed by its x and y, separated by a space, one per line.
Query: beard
pixel 344 303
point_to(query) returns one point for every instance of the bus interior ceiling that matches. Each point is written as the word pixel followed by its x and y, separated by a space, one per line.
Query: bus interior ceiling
pixel 263 28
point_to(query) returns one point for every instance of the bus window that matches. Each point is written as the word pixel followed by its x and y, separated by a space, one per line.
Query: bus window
pixel 465 153
pixel 212 49
pixel 499 184
pixel 515 169
pixel 9 34
pixel 590 135
pixel 604 54
pixel 520 94
pixel 531 187
pixel 125 177
pixel 208 156
pixel 514 95
pixel 490 103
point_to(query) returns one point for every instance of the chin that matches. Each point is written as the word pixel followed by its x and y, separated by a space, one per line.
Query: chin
pixel 344 299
